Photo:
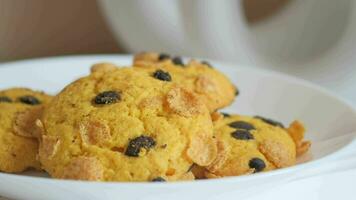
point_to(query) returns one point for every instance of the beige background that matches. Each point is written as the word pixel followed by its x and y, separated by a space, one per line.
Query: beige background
pixel 34 28
pixel 38 28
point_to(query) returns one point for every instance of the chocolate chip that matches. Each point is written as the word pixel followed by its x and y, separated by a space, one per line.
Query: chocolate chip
pixel 162 75
pixel 242 125
pixel 257 164
pixel 206 63
pixel 159 179
pixel 226 114
pixel 237 91
pixel 270 121
pixel 163 56
pixel 5 99
pixel 30 100
pixel 107 97
pixel 242 135
pixel 178 61
pixel 135 145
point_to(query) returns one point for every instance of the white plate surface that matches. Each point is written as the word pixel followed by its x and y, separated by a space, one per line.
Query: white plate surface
pixel 331 124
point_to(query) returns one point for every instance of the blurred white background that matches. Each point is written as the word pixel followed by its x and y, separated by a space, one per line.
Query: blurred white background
pixel 310 39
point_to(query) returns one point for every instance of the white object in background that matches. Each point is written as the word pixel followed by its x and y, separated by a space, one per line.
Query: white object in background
pixel 331 126
pixel 312 39
pixel 147 25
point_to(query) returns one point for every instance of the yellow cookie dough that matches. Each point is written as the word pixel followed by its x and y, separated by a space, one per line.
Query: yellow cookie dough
pixel 18 109
pixel 213 87
pixel 252 144
pixel 125 124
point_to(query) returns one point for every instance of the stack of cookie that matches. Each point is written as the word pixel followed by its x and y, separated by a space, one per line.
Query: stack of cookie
pixel 156 120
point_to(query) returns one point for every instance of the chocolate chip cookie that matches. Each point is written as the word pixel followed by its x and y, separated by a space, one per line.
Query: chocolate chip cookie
pixel 19 109
pixel 209 84
pixel 254 144
pixel 126 124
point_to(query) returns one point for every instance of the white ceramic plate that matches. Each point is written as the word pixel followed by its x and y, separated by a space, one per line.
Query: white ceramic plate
pixel 331 124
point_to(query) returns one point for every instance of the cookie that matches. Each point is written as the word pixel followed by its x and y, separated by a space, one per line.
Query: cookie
pixel 213 87
pixel 125 124
pixel 19 109
pixel 253 144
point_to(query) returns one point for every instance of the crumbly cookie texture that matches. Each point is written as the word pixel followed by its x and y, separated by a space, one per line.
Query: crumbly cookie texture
pixel 20 107
pixel 125 124
pixel 213 87
pixel 253 144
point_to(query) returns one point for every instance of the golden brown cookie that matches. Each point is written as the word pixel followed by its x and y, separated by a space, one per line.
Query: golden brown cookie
pixel 125 124
pixel 213 87
pixel 252 144
pixel 20 108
